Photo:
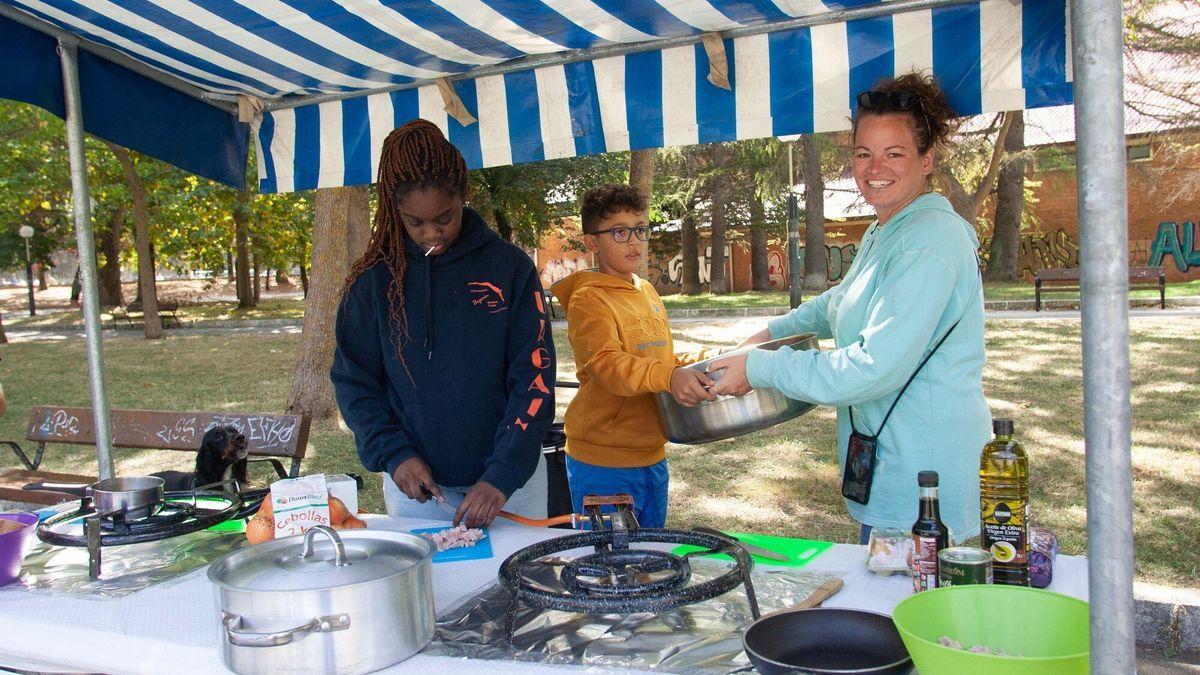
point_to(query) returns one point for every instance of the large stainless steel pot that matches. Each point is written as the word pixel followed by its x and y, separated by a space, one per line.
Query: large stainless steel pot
pixel 327 602
pixel 731 416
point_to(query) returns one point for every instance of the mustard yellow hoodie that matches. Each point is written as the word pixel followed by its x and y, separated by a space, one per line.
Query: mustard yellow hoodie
pixel 623 356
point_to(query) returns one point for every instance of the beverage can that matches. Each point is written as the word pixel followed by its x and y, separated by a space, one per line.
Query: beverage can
pixel 964 565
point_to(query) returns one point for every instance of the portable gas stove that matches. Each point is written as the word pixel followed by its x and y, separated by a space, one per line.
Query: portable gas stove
pixel 617 578
pixel 77 523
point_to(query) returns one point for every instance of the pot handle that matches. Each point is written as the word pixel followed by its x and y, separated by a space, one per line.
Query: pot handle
pixel 339 549
pixel 239 638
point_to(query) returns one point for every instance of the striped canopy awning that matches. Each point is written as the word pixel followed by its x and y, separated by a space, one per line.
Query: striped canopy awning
pixel 559 78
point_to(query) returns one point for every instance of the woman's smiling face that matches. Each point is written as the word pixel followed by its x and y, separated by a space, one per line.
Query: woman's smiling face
pixel 888 168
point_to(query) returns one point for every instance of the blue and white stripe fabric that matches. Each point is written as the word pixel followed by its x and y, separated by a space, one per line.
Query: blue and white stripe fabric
pixel 788 82
pixel 991 55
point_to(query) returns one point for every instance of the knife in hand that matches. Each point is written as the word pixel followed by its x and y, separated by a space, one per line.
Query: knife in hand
pixel 440 501
pixel 756 550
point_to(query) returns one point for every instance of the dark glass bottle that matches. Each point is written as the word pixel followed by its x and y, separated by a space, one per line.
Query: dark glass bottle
pixel 929 534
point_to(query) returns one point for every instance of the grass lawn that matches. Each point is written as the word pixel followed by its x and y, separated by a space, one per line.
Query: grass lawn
pixel 783 480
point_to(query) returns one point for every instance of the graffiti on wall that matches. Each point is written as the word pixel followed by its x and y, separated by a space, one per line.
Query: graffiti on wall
pixel 558 269
pixel 1041 250
pixel 1179 242
pixel 776 272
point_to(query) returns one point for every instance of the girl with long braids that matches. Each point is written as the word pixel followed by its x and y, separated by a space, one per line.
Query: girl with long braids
pixel 444 365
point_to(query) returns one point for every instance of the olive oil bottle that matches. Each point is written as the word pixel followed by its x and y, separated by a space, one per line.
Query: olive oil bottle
pixel 1004 505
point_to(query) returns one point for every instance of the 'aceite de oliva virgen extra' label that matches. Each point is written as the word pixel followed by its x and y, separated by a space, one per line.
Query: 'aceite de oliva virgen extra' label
pixel 1006 531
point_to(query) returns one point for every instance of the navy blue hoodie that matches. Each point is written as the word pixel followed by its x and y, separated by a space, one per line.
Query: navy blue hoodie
pixel 478 392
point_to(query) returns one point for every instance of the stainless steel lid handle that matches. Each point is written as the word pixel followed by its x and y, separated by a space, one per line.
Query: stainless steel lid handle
pixel 241 638
pixel 339 549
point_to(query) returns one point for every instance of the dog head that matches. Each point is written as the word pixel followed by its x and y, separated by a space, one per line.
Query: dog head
pixel 220 448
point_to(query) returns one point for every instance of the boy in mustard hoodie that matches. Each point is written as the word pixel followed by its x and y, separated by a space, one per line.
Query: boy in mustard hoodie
pixel 624 355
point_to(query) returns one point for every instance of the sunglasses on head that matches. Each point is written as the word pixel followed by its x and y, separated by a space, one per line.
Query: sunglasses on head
pixel 621 234
pixel 894 101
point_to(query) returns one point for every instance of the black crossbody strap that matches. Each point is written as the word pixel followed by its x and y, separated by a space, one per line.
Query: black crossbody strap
pixel 905 387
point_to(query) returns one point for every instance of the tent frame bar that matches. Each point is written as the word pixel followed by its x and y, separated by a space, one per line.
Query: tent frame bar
pixel 221 101
pixel 81 207
pixel 1096 27
pixel 576 55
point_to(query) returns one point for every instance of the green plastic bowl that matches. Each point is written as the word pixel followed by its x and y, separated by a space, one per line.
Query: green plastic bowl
pixel 1048 630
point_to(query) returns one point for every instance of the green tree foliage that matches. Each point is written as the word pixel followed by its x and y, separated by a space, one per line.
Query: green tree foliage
pixel 523 202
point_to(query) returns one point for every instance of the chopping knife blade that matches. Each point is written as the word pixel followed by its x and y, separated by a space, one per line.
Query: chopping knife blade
pixel 756 550
pixel 440 501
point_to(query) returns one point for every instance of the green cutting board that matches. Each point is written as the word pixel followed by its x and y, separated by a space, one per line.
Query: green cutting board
pixel 800 552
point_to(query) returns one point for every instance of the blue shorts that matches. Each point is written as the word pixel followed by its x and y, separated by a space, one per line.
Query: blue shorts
pixel 646 484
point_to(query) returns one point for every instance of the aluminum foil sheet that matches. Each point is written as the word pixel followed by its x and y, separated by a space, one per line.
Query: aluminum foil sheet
pixel 123 569
pixel 704 637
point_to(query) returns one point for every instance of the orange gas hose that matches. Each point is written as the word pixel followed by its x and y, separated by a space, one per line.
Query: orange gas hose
pixel 566 519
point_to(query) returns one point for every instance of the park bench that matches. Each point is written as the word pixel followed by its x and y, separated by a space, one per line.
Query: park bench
pixel 1067 279
pixel 269 438
pixel 167 309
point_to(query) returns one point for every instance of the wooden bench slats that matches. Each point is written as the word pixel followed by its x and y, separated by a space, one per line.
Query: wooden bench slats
pixel 1067 279
pixel 12 480
pixel 266 434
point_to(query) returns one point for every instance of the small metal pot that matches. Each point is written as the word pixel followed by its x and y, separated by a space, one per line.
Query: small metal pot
pixel 731 416
pixel 358 601
pixel 135 497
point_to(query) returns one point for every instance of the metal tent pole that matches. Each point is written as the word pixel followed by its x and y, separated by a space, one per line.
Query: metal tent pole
pixel 1096 28
pixel 81 201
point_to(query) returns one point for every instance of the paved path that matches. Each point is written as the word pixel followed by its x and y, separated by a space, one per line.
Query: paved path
pixel 292 326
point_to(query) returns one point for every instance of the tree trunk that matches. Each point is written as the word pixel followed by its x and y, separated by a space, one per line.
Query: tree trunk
pixel 141 224
pixel 760 277
pixel 304 278
pixel 281 277
pixel 255 262
pixel 3 335
pixel 267 280
pixel 229 269
pixel 502 225
pixel 641 176
pixel 109 274
pixel 43 273
pixel 719 192
pixel 816 262
pixel 1010 202
pixel 689 251
pixel 968 203
pixel 241 220
pixel 339 212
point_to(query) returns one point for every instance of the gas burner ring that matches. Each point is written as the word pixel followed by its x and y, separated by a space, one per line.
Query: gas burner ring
pixel 524 590
pixel 625 573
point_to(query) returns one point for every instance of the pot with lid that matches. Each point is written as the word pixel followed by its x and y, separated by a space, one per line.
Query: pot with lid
pixel 731 416
pixel 349 602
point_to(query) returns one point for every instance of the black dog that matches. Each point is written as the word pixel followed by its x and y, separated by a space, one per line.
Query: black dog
pixel 222 449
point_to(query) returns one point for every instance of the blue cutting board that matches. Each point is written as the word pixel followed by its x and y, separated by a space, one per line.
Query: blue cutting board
pixel 481 550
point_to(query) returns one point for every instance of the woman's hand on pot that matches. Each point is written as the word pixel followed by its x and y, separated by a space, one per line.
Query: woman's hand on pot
pixel 412 475
pixel 733 381
pixel 690 387
pixel 481 505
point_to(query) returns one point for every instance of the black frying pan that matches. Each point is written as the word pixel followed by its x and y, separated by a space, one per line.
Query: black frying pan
pixel 825 640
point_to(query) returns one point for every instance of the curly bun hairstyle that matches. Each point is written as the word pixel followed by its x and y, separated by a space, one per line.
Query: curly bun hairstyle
pixel 601 202
pixel 415 156
pixel 933 121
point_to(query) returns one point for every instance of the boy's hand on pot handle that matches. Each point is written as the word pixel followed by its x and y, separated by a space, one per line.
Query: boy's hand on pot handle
pixel 733 381
pixel 411 475
pixel 690 387
pixel 481 505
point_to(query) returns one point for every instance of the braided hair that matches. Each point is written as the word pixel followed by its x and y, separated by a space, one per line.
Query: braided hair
pixel 415 156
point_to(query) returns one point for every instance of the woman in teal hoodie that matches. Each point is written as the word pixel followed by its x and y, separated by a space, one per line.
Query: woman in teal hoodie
pixel 913 292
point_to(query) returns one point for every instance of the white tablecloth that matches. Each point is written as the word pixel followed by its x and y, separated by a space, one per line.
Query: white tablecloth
pixel 173 626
